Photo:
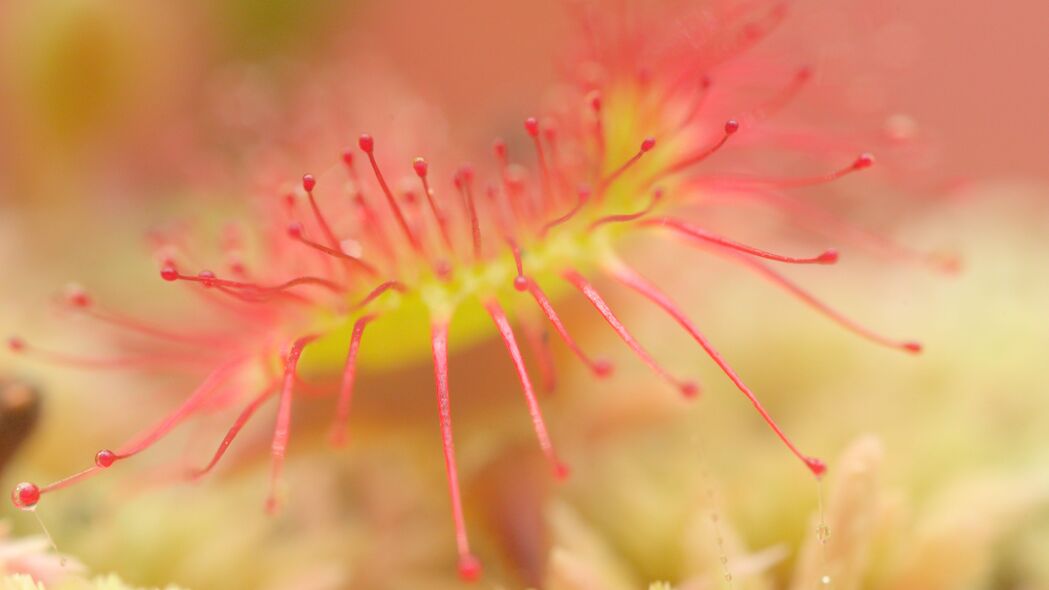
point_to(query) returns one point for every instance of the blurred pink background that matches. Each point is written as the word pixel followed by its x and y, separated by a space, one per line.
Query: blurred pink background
pixel 939 61
pixel 971 77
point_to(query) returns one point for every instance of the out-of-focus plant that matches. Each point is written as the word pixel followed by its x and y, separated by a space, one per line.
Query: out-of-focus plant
pixel 316 263
pixel 111 582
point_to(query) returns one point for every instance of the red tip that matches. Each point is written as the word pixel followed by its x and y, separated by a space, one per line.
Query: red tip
pixel 421 167
pixel 595 101
pixel 804 74
pixel 169 273
pixel 648 144
pixel 562 471
pixel 731 126
pixel 689 390
pixel 499 147
pixel 469 568
pixel 105 458
pixel 77 297
pixel 817 467
pixel 347 157
pixel 863 161
pixel 913 347
pixel 272 506
pixel 603 368
pixel 828 257
pixel 295 229
pixel 466 171
pixel 25 496
pixel 366 143
pixel 532 126
pixel 443 268
pixel 520 283
pixel 949 263
pixel 308 182
pixel 15 344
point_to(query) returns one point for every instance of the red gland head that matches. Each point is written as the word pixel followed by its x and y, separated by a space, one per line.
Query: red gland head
pixel 308 182
pixel 520 283
pixel 366 143
pixel 731 126
pixel 421 167
pixel 816 466
pixel 273 506
pixel 499 147
pixel 105 458
pixel 913 347
pixel 169 273
pixel 15 344
pixel 863 161
pixel 690 390
pixel 469 568
pixel 347 157
pixel 562 471
pixel 595 101
pixel 466 172
pixel 532 126
pixel 648 144
pixel 443 268
pixel 828 257
pixel 948 263
pixel 603 368
pixel 25 496
pixel 77 297
pixel 550 131
pixel 295 229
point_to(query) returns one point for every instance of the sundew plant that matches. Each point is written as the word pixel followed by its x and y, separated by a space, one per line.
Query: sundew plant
pixel 362 262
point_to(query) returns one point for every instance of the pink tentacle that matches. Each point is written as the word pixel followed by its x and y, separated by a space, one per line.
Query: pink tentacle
pixel 538 423
pixel 234 430
pixel 538 342
pixel 349 375
pixel 469 565
pixel 106 458
pixel 822 308
pixel 696 233
pixel 653 294
pixel 687 388
pixel 601 368
pixel 282 429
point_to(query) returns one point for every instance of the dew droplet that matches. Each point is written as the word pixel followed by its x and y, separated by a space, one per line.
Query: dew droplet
pixel 105 458
pixel 25 496
pixel 823 533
